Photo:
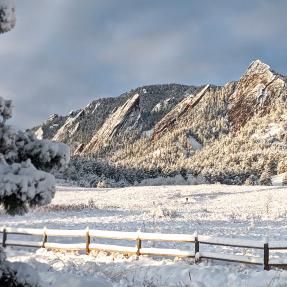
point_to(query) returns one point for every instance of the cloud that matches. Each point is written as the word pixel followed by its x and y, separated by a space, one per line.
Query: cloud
pixel 64 53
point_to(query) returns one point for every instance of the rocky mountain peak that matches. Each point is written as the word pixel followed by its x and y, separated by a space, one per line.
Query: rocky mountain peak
pixel 255 92
pixel 167 128
pixel 156 109
pixel 257 67
pixel 112 125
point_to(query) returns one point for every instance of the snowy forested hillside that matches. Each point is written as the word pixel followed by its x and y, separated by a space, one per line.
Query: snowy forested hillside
pixel 232 134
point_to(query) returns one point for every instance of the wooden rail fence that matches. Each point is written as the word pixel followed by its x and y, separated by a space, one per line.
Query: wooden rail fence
pixel 139 237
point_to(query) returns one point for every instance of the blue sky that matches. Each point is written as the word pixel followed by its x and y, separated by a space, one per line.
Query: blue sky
pixel 65 53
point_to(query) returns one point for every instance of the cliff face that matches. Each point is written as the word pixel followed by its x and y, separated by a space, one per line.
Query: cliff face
pixel 169 120
pixel 79 127
pixel 124 118
pixel 258 90
pixel 176 127
pixel 103 120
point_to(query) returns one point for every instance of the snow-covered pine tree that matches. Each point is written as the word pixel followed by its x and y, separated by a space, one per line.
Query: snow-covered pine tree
pixel 265 178
pixel 23 158
pixel 22 181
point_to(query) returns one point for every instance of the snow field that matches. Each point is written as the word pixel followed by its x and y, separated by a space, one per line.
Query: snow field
pixel 216 210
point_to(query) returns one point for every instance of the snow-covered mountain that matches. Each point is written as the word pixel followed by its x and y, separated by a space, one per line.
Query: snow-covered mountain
pixel 232 133
pixel 102 120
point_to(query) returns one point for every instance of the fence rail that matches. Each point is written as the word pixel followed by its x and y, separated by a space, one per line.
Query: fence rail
pixel 139 237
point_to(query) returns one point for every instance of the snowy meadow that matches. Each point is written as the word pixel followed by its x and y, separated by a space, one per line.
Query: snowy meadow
pixel 246 212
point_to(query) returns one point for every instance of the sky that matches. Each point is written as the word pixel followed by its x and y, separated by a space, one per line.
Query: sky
pixel 62 54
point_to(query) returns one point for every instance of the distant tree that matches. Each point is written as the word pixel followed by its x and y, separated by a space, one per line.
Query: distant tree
pixel 265 178
pixel 284 180
pixel 251 180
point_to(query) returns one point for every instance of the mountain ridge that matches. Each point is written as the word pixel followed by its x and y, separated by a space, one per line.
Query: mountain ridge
pixel 158 129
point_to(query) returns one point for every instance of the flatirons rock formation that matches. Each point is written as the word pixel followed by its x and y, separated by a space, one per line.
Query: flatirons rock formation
pixel 112 126
pixel 167 122
pixel 229 133
pixel 135 111
pixel 256 92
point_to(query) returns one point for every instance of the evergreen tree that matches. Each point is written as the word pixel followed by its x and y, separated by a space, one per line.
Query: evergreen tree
pixel 22 159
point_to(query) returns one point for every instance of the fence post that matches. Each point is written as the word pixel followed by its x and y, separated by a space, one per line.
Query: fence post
pixel 266 257
pixel 196 247
pixel 138 244
pixel 88 241
pixel 45 237
pixel 4 237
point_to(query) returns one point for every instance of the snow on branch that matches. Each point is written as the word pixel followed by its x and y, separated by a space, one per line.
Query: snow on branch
pixel 22 185
pixel 7 15
pixel 5 109
pixel 24 163
pixel 17 146
pixel 47 154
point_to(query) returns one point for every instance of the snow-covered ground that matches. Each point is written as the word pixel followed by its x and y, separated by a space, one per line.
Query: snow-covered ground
pixel 227 211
